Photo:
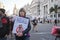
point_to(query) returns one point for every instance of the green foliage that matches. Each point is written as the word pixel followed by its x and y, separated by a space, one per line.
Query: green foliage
pixel 55 8
pixel 51 9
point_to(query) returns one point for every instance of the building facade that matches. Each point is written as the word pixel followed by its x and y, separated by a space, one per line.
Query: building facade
pixel 41 9
pixel 27 9
pixel 45 5
pixel 35 8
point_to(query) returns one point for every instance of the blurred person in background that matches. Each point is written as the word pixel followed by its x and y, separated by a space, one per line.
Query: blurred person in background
pixel 34 22
pixel 4 25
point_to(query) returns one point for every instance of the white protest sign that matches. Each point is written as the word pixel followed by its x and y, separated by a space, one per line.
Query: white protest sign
pixel 20 21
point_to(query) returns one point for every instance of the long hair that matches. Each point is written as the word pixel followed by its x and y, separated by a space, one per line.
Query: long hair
pixel 22 10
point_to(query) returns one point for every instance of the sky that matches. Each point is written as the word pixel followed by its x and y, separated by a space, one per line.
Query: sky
pixel 9 4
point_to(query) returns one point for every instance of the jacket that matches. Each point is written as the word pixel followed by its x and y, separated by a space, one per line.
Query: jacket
pixel 5 27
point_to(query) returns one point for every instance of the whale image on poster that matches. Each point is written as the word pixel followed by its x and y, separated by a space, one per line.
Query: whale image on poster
pixel 20 24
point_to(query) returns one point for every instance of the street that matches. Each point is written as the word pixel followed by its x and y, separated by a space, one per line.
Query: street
pixel 44 32
pixel 42 37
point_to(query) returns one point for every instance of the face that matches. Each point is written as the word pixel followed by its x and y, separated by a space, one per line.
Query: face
pixel 22 14
pixel 20 26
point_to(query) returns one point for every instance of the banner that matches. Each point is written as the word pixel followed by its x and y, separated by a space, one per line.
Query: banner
pixel 20 24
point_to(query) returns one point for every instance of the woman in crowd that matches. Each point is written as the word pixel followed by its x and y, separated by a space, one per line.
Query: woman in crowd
pixel 25 34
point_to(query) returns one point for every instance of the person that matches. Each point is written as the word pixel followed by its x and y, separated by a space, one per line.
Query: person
pixel 11 25
pixel 25 34
pixel 4 25
pixel 48 21
pixel 55 22
pixel 34 22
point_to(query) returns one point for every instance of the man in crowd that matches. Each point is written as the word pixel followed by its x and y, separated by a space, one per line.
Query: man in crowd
pixel 4 25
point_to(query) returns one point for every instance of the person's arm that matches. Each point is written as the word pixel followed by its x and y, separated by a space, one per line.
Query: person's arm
pixel 28 29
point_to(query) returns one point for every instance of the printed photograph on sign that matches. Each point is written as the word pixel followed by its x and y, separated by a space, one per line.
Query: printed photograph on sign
pixel 19 29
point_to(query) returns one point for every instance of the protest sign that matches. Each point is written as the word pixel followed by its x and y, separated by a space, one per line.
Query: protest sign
pixel 20 23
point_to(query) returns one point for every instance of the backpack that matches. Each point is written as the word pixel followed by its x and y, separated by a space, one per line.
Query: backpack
pixel 34 22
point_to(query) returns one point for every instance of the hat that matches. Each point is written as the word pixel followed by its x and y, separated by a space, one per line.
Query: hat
pixel 3 10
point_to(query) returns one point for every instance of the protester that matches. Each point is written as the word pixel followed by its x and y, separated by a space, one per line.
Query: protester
pixel 4 25
pixel 25 34
pixel 34 22
pixel 55 22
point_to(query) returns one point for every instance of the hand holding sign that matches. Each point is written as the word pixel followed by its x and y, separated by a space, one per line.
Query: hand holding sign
pixel 19 30
pixel 19 34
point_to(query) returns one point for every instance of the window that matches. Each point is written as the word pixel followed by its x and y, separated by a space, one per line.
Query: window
pixel 54 15
pixel 51 0
pixel 58 15
pixel 46 6
pixel 55 0
pixel 39 5
pixel 51 15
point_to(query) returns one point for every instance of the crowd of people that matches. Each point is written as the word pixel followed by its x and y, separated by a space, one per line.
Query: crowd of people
pixel 6 26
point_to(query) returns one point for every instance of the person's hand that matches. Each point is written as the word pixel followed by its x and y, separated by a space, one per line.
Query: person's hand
pixel 19 34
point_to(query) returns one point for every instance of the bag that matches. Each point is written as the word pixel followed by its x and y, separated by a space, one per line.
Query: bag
pixel 28 35
pixel 55 31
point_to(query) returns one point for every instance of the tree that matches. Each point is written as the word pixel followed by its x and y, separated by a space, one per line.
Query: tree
pixel 55 9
